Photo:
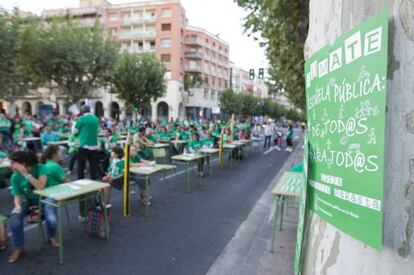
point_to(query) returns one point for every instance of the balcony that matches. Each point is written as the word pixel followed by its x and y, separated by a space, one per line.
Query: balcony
pixel 194 42
pixel 136 34
pixel 126 21
pixel 194 69
pixel 194 54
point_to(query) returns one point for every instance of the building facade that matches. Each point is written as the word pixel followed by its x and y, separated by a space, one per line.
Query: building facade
pixel 196 62
pixel 206 72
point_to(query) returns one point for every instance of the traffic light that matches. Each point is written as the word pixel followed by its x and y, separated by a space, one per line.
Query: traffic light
pixel 251 74
pixel 261 73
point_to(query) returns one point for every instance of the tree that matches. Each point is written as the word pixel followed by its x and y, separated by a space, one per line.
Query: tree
pixel 249 104
pixel 14 81
pixel 138 79
pixel 231 103
pixel 282 25
pixel 72 57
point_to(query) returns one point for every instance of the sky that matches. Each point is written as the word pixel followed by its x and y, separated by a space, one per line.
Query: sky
pixel 221 17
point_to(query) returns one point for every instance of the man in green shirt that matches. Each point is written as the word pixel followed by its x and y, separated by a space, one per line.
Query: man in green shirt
pixel 86 128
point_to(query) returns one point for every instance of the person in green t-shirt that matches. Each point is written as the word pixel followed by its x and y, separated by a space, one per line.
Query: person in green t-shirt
pixel 5 125
pixel 115 174
pixel 208 141
pixel 289 138
pixel 137 161
pixel 86 128
pixel 48 136
pixel 73 143
pixel 194 145
pixel 50 159
pixel 28 175
pixel 164 135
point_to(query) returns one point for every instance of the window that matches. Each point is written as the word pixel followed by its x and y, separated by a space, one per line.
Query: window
pixel 167 75
pixel 166 27
pixel 165 13
pixel 206 94
pixel 113 31
pixel 152 45
pixel 165 43
pixel 113 17
pixel 213 95
pixel 166 58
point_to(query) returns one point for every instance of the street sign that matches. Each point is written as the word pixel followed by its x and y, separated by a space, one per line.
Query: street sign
pixel 346 85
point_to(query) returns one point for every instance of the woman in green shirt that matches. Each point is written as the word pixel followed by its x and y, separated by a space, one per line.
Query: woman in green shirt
pixel 28 175
pixel 50 159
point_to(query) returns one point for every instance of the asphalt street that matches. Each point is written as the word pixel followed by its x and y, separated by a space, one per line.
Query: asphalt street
pixel 184 233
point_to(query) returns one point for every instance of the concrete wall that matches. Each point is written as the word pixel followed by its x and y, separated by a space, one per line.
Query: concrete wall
pixel 329 251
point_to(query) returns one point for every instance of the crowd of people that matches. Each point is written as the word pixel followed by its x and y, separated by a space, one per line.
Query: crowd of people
pixel 36 164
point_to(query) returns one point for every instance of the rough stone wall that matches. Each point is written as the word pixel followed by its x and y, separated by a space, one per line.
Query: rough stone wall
pixel 329 251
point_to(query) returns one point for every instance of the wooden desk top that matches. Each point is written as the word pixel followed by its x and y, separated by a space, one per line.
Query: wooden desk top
pixel 158 145
pixel 61 142
pixel 30 139
pixel 187 158
pixel 147 170
pixel 208 150
pixel 71 190
pixel 290 184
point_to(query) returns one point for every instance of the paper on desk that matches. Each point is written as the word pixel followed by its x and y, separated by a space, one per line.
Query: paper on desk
pixel 73 187
pixel 82 182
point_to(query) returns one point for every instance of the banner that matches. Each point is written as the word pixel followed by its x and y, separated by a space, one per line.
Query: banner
pixel 346 84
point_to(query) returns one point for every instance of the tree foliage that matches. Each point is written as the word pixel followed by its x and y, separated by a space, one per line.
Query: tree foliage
pixel 231 102
pixel 72 57
pixel 138 79
pixel 248 105
pixel 282 25
pixel 14 81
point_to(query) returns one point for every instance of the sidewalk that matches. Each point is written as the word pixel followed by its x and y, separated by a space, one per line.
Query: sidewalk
pixel 247 253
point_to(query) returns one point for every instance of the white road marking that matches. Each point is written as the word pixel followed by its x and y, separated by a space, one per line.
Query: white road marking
pixel 270 150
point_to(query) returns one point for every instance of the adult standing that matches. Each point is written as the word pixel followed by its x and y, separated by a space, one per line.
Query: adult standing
pixel 289 139
pixel 268 135
pixel 86 128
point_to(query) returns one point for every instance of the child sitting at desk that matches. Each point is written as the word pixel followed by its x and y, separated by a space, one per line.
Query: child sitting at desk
pixel 194 145
pixel 137 161
pixel 115 174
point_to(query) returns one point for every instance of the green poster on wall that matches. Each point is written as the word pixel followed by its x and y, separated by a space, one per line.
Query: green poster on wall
pixel 346 84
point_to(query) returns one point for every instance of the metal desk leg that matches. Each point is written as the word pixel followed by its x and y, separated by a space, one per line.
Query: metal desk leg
pixel 102 195
pixel 282 207
pixel 67 217
pixel 60 233
pixel 200 180
pixel 148 195
pixel 164 182
pixel 188 176
pixel 40 233
pixel 210 159
pixel 275 219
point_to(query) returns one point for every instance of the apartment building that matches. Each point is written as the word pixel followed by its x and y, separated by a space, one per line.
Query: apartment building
pixel 206 72
pixel 241 83
pixel 190 55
